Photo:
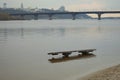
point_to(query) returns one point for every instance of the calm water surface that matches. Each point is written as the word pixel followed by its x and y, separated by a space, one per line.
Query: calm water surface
pixel 24 46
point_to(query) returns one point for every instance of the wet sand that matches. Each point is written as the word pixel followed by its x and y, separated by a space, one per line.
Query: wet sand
pixel 112 73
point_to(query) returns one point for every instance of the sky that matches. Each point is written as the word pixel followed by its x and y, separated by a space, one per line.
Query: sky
pixel 70 5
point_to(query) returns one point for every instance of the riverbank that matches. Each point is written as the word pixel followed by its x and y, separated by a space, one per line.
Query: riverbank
pixel 5 16
pixel 112 73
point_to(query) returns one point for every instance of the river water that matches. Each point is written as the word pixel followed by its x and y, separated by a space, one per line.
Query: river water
pixel 24 46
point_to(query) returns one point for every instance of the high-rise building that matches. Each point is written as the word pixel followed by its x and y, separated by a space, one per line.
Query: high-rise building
pixel 22 7
pixel 4 5
pixel 62 9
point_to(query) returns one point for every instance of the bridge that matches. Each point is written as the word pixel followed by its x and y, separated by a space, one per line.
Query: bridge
pixel 50 14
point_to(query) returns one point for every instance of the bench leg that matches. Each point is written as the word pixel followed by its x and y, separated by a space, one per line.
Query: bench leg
pixel 85 53
pixel 66 54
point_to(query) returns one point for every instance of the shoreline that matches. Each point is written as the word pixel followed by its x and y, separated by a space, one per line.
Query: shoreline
pixel 111 73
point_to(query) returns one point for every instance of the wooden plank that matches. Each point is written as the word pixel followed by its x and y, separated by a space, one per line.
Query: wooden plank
pixel 76 57
pixel 69 52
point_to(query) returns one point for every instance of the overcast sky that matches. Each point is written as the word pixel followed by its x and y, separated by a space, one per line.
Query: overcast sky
pixel 71 5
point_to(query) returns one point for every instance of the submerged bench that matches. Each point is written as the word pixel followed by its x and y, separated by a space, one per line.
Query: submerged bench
pixel 67 53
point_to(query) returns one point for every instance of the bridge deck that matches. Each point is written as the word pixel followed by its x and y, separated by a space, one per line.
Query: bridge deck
pixel 50 14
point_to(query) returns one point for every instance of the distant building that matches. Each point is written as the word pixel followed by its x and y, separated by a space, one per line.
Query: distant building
pixel 45 10
pixel 29 10
pixel 22 7
pixel 4 5
pixel 62 9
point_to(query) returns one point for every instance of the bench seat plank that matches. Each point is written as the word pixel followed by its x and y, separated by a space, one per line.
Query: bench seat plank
pixel 69 52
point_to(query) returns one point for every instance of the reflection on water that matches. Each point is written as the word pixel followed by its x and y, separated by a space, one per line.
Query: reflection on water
pixel 3 34
pixel 24 32
pixel 76 57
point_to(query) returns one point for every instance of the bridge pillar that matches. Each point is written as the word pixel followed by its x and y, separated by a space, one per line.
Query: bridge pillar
pixel 73 16
pixel 50 16
pixel 22 16
pixel 99 16
pixel 36 17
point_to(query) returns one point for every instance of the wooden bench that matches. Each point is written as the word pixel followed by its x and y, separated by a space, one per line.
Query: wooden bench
pixel 67 53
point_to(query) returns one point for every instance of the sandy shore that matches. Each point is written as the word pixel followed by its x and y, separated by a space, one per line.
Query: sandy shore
pixel 112 73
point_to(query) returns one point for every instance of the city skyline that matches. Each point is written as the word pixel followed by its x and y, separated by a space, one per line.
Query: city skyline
pixel 70 5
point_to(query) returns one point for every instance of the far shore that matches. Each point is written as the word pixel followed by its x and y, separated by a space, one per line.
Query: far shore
pixel 6 17
pixel 112 73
